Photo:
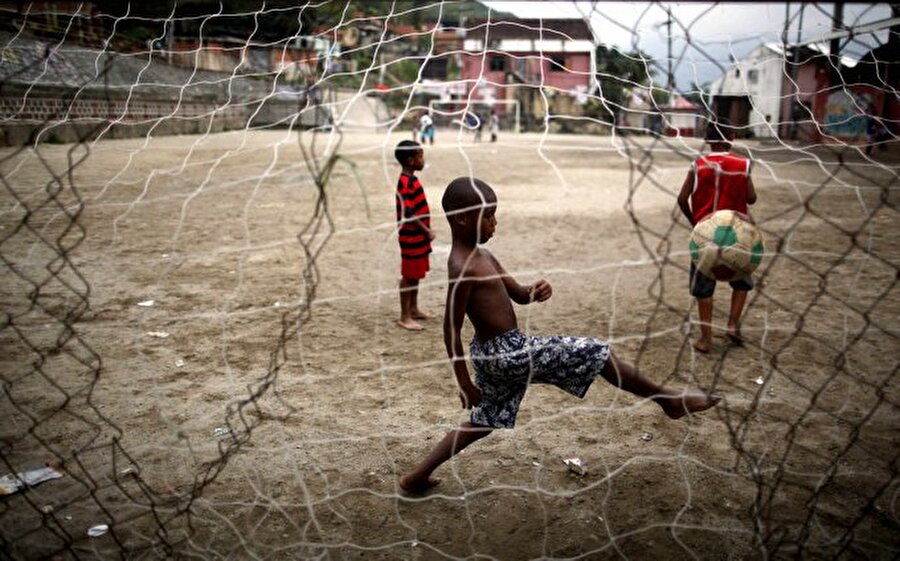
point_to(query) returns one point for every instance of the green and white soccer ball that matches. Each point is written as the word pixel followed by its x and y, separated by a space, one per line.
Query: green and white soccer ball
pixel 726 246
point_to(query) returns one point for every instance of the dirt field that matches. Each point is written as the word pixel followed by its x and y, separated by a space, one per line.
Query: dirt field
pixel 799 460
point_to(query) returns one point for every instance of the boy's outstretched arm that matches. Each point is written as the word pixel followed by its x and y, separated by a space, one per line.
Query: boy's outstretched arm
pixel 537 292
pixel 458 292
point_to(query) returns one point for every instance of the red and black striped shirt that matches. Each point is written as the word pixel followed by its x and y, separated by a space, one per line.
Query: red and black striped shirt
pixel 412 206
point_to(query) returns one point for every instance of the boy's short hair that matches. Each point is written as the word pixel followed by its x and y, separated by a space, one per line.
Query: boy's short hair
pixel 466 193
pixel 406 150
pixel 718 132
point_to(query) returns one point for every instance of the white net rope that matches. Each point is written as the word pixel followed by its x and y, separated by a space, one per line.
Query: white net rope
pixel 200 264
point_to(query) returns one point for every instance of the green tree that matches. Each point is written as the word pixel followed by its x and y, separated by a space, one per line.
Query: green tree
pixel 618 73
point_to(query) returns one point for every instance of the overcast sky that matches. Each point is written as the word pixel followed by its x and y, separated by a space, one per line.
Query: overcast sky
pixel 717 31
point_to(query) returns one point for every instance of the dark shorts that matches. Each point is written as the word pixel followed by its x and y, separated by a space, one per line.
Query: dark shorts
pixel 414 269
pixel 505 365
pixel 704 287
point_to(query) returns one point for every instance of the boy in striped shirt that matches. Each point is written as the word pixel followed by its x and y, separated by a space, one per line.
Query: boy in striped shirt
pixel 414 233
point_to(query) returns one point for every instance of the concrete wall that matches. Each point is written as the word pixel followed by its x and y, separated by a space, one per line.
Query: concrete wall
pixel 59 114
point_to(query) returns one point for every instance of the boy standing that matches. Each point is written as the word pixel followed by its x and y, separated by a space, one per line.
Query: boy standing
pixel 719 180
pixel 414 233
pixel 426 128
pixel 506 360
pixel 495 125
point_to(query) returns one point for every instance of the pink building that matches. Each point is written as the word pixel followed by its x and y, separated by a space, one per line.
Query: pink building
pixel 501 57
pixel 681 117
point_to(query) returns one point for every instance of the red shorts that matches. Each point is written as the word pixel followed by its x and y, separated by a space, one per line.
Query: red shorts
pixel 414 268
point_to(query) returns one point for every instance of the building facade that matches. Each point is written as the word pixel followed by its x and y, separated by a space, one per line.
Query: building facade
pixel 539 62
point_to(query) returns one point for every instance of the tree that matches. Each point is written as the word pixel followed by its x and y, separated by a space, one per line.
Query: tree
pixel 619 73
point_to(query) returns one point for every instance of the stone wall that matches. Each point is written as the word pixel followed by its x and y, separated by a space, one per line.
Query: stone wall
pixel 45 113
pixel 67 92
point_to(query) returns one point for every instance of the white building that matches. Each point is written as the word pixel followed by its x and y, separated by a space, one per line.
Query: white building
pixel 753 94
pixel 750 93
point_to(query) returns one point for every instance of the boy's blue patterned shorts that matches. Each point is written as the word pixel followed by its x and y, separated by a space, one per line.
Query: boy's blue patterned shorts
pixel 505 365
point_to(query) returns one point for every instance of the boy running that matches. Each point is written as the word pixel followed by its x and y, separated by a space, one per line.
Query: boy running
pixel 506 360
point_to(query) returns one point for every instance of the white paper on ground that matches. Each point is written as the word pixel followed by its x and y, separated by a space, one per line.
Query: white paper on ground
pixel 13 483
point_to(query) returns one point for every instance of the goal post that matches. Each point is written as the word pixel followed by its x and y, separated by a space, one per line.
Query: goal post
pixel 445 112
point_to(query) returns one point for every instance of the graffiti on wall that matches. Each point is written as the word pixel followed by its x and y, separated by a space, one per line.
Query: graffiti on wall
pixel 845 113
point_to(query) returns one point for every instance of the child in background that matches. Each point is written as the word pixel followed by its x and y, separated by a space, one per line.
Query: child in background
pixel 414 233
pixel 495 125
pixel 719 180
pixel 426 128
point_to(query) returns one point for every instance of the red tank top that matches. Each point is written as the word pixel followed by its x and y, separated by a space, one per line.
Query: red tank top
pixel 720 183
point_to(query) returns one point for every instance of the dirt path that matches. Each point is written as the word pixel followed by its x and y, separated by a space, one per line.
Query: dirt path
pixel 207 228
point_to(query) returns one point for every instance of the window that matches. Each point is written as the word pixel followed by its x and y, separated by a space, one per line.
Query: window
pixel 752 76
pixel 497 64
pixel 557 63
pixel 737 72
pixel 520 67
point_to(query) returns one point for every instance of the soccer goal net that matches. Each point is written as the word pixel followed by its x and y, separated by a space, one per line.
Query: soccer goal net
pixel 200 276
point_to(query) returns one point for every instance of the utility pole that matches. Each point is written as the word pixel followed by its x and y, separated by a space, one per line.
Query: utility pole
pixel 794 107
pixel 670 83
pixel 834 49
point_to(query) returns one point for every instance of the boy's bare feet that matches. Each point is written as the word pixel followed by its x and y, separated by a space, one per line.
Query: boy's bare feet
pixel 410 324
pixel 417 487
pixel 702 345
pixel 734 334
pixel 419 314
pixel 677 407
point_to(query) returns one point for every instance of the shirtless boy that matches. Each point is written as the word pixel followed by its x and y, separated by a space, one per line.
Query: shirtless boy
pixel 506 360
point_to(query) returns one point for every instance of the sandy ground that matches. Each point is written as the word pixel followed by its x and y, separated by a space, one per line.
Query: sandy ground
pixel 799 460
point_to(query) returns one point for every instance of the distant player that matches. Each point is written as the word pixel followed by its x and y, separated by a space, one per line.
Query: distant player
pixel 719 180
pixel 426 128
pixel 495 125
pixel 414 232
pixel 506 360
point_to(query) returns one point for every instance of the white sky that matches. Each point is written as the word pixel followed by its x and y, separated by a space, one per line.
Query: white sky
pixel 716 31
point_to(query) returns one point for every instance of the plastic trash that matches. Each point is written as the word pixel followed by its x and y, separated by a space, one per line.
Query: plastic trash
pixel 647 437
pixel 15 482
pixel 146 303
pixel 97 530
pixel 576 465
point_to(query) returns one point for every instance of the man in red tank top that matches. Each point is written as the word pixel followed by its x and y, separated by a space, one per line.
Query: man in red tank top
pixel 719 180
